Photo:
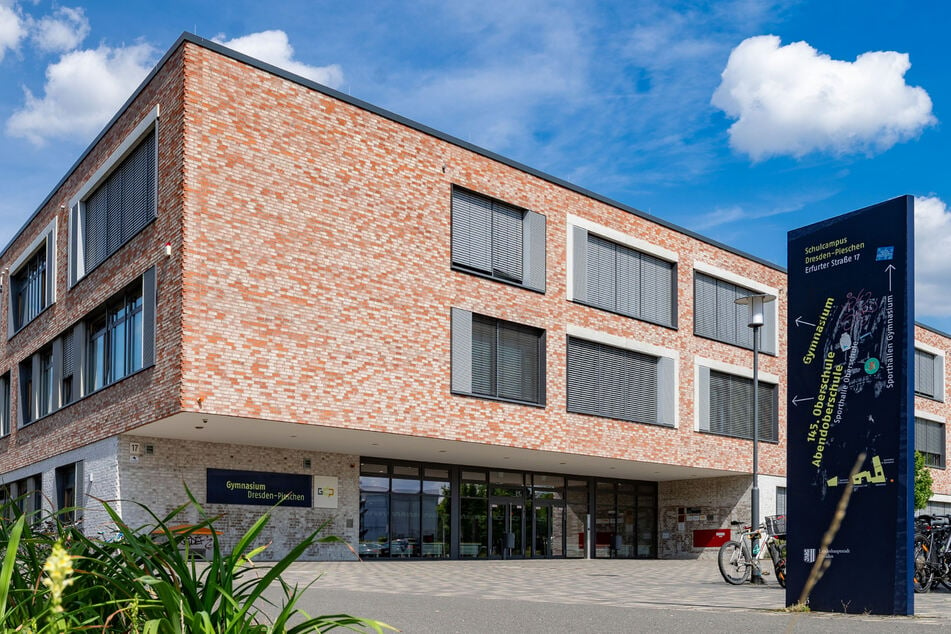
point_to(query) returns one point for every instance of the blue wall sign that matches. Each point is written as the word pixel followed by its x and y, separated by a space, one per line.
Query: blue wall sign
pixel 230 486
pixel 850 391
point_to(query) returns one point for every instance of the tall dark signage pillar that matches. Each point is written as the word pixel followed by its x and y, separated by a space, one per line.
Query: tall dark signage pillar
pixel 850 392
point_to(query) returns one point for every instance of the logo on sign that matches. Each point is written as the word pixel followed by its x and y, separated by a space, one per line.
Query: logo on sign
pixel 809 555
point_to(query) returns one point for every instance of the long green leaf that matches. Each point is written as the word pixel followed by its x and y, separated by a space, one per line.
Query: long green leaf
pixel 9 563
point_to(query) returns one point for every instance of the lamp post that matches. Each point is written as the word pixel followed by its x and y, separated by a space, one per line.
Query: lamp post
pixel 757 303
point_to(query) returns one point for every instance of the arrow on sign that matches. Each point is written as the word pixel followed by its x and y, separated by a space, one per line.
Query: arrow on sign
pixel 889 269
pixel 801 322
pixel 796 400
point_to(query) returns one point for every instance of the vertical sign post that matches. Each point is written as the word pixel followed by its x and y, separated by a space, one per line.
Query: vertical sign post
pixel 850 394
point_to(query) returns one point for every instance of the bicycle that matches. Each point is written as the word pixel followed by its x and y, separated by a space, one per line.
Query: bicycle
pixel 738 559
pixel 932 552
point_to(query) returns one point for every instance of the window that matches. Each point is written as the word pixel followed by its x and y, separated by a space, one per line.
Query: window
pixel 27 409
pixel 929 375
pixel 613 382
pixel 497 240
pixel 115 339
pixel 780 500
pixel 726 406
pixel 69 368
pixel 32 281
pixel 28 288
pixel 717 316
pixel 5 404
pixel 67 502
pixel 497 359
pixel 617 278
pixel 117 202
pixel 46 390
pixel 929 440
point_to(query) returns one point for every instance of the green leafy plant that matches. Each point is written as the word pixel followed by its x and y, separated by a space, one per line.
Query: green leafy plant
pixel 151 582
pixel 923 482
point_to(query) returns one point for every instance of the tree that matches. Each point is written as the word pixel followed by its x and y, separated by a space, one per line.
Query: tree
pixel 923 482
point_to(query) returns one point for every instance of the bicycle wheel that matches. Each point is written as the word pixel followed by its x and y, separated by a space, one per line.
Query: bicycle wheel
pixel 734 562
pixel 924 573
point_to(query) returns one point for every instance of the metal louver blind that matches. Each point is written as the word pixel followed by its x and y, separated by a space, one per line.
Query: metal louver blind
pixel 121 206
pixel 726 312
pixel 924 373
pixel 69 354
pixel 518 362
pixel 507 242
pixel 471 231
pixel 138 188
pixel 483 356
pixel 612 382
pixel 656 286
pixel 95 227
pixel 583 376
pixel 731 408
pixel 705 306
pixel 629 289
pixel 601 273
pixel 929 440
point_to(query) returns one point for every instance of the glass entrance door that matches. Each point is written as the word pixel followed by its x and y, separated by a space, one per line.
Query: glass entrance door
pixel 549 519
pixel 507 530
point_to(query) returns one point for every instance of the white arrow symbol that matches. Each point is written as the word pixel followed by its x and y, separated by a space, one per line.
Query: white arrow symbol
pixel 889 270
pixel 796 400
pixel 801 322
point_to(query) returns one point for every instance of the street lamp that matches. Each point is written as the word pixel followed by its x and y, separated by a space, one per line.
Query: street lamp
pixel 757 303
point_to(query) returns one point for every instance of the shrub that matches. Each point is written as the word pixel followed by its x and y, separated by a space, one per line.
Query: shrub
pixel 58 580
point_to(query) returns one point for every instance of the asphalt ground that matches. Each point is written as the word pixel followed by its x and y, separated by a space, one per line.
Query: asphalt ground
pixel 576 596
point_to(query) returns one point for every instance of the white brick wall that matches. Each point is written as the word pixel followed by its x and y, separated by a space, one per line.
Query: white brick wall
pixel 158 480
pixel 99 480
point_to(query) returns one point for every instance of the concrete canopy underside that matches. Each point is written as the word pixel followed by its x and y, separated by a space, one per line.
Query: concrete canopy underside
pixel 206 428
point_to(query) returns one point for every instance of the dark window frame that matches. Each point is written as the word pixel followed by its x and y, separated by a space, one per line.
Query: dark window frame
pixel 582 291
pixel 482 372
pixel 114 350
pixel 930 434
pixel 726 293
pixel 117 203
pixel 739 424
pixel 603 407
pixel 485 247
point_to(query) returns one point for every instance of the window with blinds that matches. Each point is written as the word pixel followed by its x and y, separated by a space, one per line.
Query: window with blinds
pixel 5 404
pixel 120 207
pixel 930 441
pixel 926 374
pixel 117 202
pixel 497 240
pixel 497 359
pixel 32 281
pixel 614 277
pixel 727 407
pixel 718 316
pixel 29 290
pixel 612 382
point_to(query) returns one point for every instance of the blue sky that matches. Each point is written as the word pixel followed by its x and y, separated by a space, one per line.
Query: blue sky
pixel 737 119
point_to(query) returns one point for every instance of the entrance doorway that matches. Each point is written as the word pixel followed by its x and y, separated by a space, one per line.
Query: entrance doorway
pixel 507 530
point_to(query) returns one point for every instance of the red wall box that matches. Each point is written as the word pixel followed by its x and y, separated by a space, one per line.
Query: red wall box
pixel 709 537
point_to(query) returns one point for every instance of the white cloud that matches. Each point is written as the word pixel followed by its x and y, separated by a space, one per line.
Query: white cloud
pixel 83 90
pixel 12 29
pixel 792 100
pixel 932 257
pixel 61 32
pixel 274 48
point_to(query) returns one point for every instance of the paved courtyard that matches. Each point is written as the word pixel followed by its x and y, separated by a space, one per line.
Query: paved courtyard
pixel 576 596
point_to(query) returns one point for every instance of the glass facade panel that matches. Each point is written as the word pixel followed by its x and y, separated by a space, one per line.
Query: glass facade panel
pixel 472 514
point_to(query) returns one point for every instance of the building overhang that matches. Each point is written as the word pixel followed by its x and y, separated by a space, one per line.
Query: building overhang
pixel 210 428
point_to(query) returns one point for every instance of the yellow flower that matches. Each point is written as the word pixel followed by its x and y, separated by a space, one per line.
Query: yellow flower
pixel 58 568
